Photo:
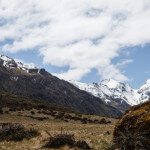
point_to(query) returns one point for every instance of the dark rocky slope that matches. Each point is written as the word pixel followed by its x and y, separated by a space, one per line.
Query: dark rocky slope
pixel 133 130
pixel 44 86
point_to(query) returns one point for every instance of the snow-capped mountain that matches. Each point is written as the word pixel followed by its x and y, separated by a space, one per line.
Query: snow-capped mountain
pixel 115 93
pixel 144 91
pixel 110 88
pixel 14 63
pixel 28 81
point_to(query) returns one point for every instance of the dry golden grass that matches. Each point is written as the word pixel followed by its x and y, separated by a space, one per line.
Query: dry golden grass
pixel 96 135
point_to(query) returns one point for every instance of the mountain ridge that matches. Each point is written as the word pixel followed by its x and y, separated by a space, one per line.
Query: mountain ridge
pixel 116 93
pixel 113 93
pixel 36 83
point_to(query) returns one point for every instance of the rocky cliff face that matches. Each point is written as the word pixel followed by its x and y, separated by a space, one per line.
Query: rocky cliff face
pixel 31 82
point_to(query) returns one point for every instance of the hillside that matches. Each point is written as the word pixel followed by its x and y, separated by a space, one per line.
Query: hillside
pixel 133 129
pixel 49 120
pixel 97 135
pixel 19 103
pixel 34 83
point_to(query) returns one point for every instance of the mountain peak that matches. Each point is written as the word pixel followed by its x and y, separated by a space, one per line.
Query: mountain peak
pixel 5 58
pixel 17 64
pixel 41 85
pixel 116 93
pixel 110 91
pixel 145 86
pixel 111 83
pixel 147 81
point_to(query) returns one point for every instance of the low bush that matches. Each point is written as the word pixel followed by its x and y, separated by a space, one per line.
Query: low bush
pixel 62 140
pixel 32 113
pixel 82 145
pixel 1 111
pixel 15 132
pixel 38 118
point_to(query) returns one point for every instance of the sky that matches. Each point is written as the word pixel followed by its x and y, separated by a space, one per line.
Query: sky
pixel 84 40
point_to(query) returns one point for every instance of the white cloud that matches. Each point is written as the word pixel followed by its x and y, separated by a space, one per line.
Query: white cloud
pixel 124 63
pixel 81 34
pixel 111 71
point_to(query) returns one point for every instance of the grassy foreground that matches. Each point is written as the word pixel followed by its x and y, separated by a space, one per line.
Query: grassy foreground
pixel 98 136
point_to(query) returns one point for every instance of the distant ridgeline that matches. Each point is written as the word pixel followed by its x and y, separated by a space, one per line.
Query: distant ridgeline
pixel 117 94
